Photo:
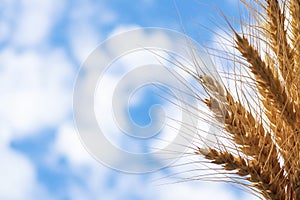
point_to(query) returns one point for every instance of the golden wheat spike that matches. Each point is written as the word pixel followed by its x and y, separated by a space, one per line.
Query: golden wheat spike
pixel 250 138
pixel 294 23
pixel 295 40
pixel 279 107
pixel 268 187
pixel 278 38
pixel 274 95
pixel 266 149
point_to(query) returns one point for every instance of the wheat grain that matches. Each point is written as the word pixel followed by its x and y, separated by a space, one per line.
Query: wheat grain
pixel 251 140
pixel 265 148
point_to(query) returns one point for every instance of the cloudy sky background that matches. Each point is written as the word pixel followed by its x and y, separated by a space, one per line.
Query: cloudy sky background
pixel 42 46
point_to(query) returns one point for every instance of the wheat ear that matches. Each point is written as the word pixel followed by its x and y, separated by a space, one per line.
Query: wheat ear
pixel 251 140
pixel 267 151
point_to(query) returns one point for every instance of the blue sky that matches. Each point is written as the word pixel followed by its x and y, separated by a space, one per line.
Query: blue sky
pixel 42 46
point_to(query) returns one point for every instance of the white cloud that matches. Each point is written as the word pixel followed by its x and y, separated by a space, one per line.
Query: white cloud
pixel 68 144
pixel 18 175
pixel 83 39
pixel 83 31
pixel 36 89
pixel 35 20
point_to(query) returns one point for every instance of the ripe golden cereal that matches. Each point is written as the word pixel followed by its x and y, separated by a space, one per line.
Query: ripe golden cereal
pixel 260 119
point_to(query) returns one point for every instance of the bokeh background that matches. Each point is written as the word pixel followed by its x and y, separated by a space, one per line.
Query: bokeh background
pixel 42 45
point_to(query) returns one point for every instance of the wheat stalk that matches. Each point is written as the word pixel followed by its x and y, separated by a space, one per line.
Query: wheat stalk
pixel 265 139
